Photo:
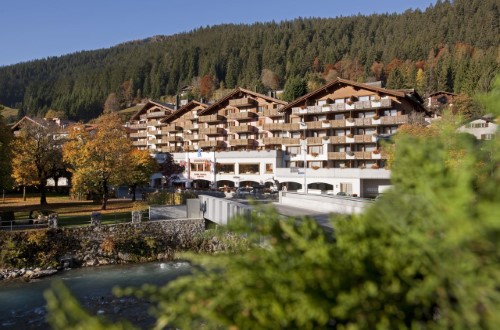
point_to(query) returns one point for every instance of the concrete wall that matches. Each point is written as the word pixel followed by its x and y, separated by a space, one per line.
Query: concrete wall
pixel 221 211
pixel 324 203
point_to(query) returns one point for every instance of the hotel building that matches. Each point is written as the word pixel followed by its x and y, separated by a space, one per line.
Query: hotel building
pixel 327 139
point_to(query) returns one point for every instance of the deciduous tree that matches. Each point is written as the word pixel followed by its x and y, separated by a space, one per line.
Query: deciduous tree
pixel 98 158
pixel 37 150
pixel 5 156
pixel 139 170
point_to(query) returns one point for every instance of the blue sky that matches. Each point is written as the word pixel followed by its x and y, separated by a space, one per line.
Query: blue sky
pixel 33 29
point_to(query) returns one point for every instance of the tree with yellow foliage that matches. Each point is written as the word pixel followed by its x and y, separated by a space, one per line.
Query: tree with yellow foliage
pixel 141 166
pixel 37 150
pixel 99 157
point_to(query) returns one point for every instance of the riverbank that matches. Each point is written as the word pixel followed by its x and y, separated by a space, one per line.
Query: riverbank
pixel 33 254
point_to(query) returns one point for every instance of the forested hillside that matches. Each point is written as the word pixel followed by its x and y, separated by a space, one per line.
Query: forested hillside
pixel 452 46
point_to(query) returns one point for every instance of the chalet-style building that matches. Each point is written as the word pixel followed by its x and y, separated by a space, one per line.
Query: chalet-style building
pixel 328 138
pixel 482 129
pixel 59 125
pixel 437 101
pixel 146 122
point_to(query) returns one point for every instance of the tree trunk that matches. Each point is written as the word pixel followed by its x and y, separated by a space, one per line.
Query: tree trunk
pixel 133 192
pixel 105 195
pixel 43 192
pixel 56 184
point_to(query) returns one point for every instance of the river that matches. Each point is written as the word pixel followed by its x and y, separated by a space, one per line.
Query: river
pixel 22 305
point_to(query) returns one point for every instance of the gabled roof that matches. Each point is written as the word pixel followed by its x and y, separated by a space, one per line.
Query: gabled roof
pixel 148 105
pixel 339 82
pixel 236 92
pixel 442 92
pixel 40 122
pixel 183 110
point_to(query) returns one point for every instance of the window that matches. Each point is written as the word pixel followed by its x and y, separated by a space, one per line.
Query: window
pixel 293 150
pixel 225 168
pixel 392 112
pixel 201 167
pixel 315 150
pixel 339 116
pixel 476 125
pixel 346 187
pixel 390 129
pixel 262 135
pixel 249 168
pixel 339 101
pixel 364 98
pixel 269 168
pixel 315 165
pixel 261 108
pixel 487 136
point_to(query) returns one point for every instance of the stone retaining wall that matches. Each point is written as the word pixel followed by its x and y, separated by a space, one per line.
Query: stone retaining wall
pixel 111 244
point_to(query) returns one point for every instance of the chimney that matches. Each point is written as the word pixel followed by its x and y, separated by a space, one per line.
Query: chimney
pixel 177 100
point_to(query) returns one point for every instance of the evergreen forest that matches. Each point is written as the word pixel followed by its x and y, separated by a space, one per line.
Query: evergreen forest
pixel 451 46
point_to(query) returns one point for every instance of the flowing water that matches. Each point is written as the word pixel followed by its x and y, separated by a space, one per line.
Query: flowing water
pixel 22 305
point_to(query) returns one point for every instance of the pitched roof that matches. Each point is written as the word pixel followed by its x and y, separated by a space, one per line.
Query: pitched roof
pixel 182 110
pixel 339 82
pixel 442 92
pixel 237 91
pixel 26 118
pixel 150 103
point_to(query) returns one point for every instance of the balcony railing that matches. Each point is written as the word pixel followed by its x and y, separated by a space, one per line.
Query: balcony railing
pixel 212 130
pixel 242 142
pixel 206 144
pixel 140 143
pixel 173 138
pixel 272 113
pixel 172 128
pixel 336 155
pixel 314 140
pixel 275 127
pixel 243 129
pixel 361 105
pixel 337 139
pixel 192 137
pixel 394 120
pixel 138 135
pixel 273 140
pixel 171 149
pixel 243 102
pixel 156 114
pixel 190 126
pixel 291 141
pixel 138 126
pixel 242 115
pixel 210 118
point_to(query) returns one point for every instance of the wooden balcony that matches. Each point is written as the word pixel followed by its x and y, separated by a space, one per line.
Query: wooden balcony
pixel 337 139
pixel 212 130
pixel 314 140
pixel 156 114
pixel 394 120
pixel 275 127
pixel 173 138
pixel 174 127
pixel 242 115
pixel 138 135
pixel 242 142
pixel 272 113
pixel 171 149
pixel 210 118
pixel 193 137
pixel 291 141
pixel 273 140
pixel 363 155
pixel 243 102
pixel 243 129
pixel 337 123
pixel 139 126
pixel 190 148
pixel 141 143
pixel 209 144
pixel 336 155
pixel 190 126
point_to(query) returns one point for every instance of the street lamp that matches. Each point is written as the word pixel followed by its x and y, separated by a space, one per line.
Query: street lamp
pixel 303 144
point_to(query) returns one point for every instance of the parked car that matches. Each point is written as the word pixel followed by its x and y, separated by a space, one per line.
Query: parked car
pixel 40 216
pixel 342 193
pixel 242 192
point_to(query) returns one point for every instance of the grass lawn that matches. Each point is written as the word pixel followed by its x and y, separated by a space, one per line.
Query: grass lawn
pixel 71 212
